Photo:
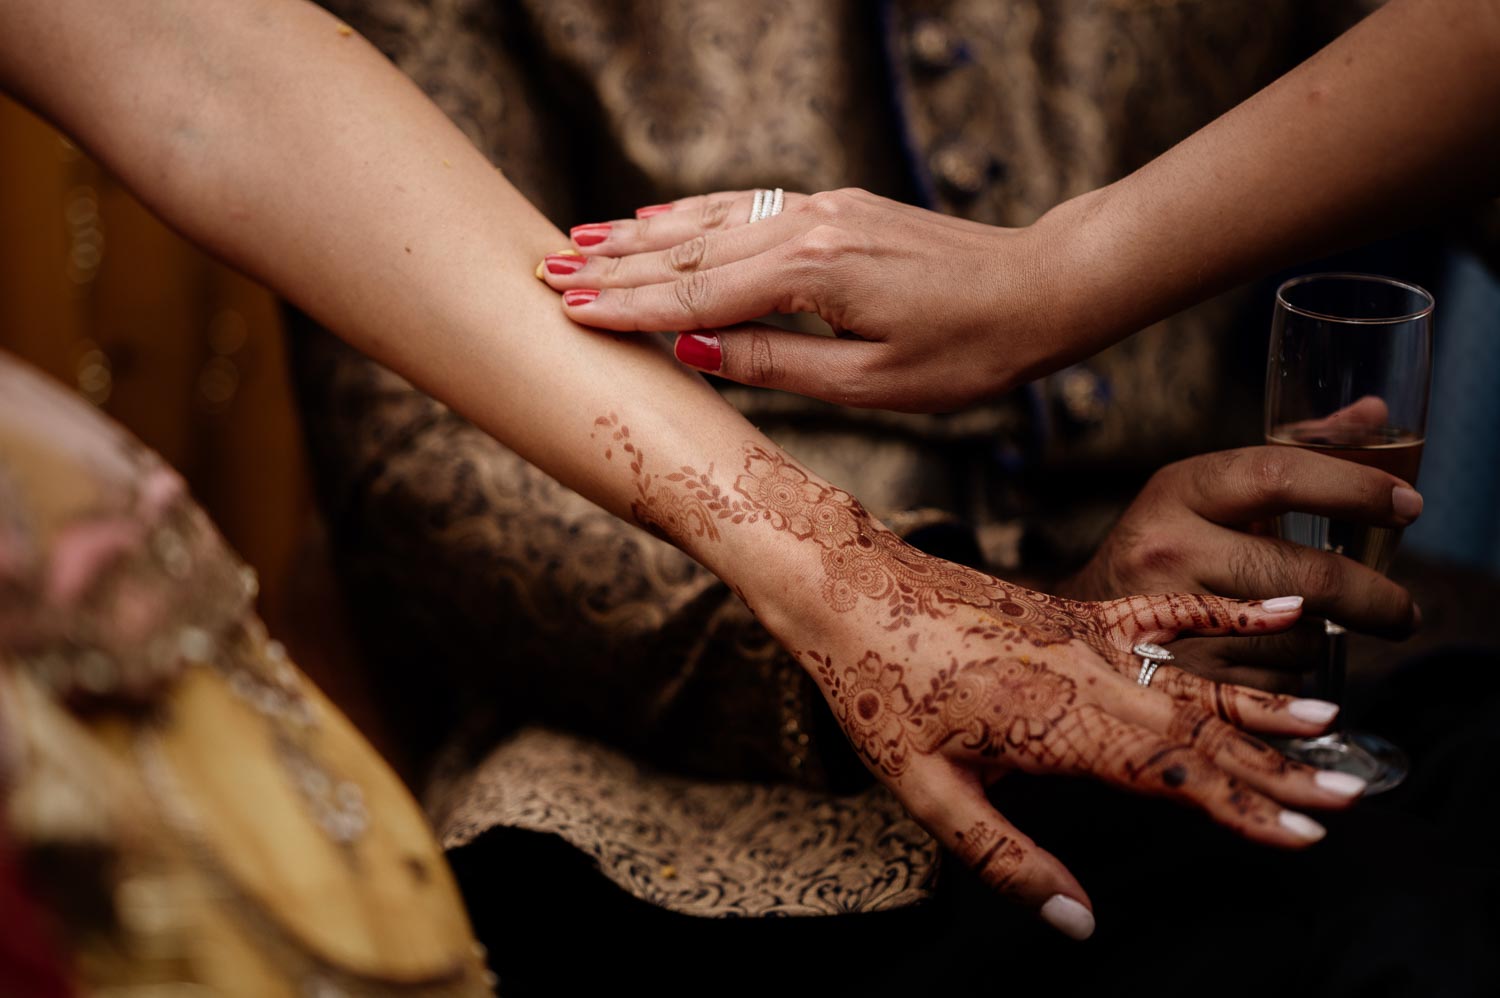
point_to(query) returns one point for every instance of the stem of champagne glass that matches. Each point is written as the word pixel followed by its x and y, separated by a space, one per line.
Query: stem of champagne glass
pixel 1335 663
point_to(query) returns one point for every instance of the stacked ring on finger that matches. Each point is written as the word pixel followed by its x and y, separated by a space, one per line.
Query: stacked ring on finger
pixel 1152 656
pixel 767 204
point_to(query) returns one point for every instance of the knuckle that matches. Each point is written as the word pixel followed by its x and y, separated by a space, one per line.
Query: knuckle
pixel 688 256
pixel 691 294
pixel 1270 474
pixel 821 245
pixel 829 206
pixel 1250 567
pixel 712 214
pixel 625 299
pixel 1322 575
pixel 1154 554
pixel 764 368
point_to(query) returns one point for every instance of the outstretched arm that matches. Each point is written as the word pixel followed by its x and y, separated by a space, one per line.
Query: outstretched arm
pixel 269 133
pixel 1389 123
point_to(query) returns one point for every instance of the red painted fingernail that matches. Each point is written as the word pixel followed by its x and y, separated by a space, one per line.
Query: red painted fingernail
pixel 590 235
pixel 563 264
pixel 653 209
pixel 700 350
pixel 579 296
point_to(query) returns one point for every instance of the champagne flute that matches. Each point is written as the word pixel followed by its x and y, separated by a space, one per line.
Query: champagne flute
pixel 1348 376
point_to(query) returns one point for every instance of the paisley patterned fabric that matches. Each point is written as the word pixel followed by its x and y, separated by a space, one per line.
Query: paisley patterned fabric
pixel 492 597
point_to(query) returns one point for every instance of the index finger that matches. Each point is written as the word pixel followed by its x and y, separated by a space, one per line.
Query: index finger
pixel 1252 483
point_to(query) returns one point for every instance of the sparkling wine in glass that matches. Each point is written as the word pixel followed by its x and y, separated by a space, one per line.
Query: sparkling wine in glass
pixel 1348 376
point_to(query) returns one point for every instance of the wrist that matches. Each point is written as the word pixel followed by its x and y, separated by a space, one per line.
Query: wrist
pixel 1086 303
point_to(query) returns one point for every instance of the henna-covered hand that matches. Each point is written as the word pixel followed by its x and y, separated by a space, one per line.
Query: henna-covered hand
pixel 945 678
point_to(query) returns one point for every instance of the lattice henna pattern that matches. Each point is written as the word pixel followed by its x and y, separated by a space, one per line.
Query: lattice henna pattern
pixel 994 707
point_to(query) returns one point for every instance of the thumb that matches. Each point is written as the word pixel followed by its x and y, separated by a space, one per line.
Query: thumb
pixel 1000 854
pixel 819 366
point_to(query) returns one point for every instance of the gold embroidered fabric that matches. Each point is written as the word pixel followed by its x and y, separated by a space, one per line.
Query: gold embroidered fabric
pixel 195 813
pixel 721 848
pixel 493 598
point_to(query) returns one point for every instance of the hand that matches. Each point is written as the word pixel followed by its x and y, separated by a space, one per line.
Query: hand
pixel 944 678
pixel 933 312
pixel 1189 530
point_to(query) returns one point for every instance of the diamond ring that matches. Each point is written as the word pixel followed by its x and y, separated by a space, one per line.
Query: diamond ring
pixel 1152 656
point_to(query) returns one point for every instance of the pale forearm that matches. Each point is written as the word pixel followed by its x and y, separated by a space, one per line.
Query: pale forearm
pixel 1391 122
pixel 268 134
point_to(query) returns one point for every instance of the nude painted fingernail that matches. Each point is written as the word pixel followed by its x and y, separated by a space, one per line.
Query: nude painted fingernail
pixel 1068 917
pixel 700 350
pixel 1282 604
pixel 1302 826
pixel 579 296
pixel 653 209
pixel 1342 784
pixel 538 270
pixel 561 263
pixel 1407 503
pixel 590 235
pixel 1313 711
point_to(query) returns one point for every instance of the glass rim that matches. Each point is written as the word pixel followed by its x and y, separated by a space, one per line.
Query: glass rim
pixel 1421 292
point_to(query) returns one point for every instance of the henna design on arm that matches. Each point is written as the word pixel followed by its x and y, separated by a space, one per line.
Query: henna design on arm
pixel 677 506
pixel 1004 695
pixel 861 558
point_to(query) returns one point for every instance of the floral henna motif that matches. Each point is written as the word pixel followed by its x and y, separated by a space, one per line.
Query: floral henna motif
pixel 679 505
pixel 993 707
pixel 862 560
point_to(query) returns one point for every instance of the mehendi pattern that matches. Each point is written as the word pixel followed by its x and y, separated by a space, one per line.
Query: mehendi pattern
pixel 990 707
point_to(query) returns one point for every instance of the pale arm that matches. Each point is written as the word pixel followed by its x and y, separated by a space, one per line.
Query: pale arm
pixel 270 134
pixel 1390 123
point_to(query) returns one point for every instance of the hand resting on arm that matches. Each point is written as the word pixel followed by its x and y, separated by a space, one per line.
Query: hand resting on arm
pixel 1389 123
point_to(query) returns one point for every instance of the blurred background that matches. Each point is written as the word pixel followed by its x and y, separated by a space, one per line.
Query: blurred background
pixel 184 352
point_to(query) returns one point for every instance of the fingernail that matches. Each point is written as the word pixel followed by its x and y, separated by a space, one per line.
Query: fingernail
pixel 1416 616
pixel 590 235
pixel 1068 917
pixel 1302 826
pixel 652 209
pixel 1406 502
pixel 1282 604
pixel 579 296
pixel 1343 784
pixel 700 350
pixel 1313 711
pixel 561 263
pixel 538 271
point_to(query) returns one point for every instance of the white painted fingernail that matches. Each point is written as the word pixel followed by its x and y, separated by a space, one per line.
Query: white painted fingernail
pixel 1313 711
pixel 1302 826
pixel 1282 604
pixel 1343 784
pixel 1068 917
